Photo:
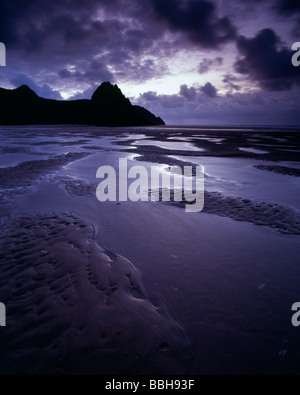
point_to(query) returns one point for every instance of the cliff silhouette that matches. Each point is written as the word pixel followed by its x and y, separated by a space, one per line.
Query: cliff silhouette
pixel 107 107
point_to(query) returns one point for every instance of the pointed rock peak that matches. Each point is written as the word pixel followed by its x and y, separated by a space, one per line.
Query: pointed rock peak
pixel 109 94
pixel 25 92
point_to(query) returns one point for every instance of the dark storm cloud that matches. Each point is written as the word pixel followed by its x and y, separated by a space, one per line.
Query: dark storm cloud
pixel 126 39
pixel 206 64
pixel 209 90
pixel 286 10
pixel 24 19
pixel 288 7
pixel 264 61
pixel 55 35
pixel 75 27
pixel 197 19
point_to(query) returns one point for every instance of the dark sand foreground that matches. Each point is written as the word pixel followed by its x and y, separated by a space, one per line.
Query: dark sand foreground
pixel 75 307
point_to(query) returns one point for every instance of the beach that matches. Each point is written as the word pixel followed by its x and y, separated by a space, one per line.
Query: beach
pixel 124 287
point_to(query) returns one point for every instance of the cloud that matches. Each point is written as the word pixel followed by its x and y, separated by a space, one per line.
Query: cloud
pixel 209 90
pixel 197 19
pixel 261 107
pixel 165 101
pixel 230 82
pixel 73 45
pixel 206 64
pixel 289 7
pixel 96 71
pixel 188 93
pixel 149 96
pixel 194 92
pixel 264 61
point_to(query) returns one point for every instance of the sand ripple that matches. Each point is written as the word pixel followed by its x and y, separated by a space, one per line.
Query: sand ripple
pixel 24 173
pixel 281 217
pixel 290 171
pixel 74 307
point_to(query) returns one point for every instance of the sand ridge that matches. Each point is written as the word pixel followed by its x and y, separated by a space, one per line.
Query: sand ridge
pixel 280 217
pixel 290 171
pixel 24 173
pixel 83 306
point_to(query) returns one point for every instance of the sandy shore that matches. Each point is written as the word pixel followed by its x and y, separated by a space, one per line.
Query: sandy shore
pixel 142 287
pixel 84 307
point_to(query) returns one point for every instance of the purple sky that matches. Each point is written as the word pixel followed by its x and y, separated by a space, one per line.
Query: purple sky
pixel 189 61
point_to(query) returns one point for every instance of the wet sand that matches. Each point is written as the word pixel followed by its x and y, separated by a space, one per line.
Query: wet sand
pixel 290 171
pixel 76 308
pixel 144 287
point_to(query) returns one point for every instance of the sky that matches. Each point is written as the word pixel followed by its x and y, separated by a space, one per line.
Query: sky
pixel 191 62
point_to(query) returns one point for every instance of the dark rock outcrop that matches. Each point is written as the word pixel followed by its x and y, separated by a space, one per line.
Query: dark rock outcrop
pixel 107 107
